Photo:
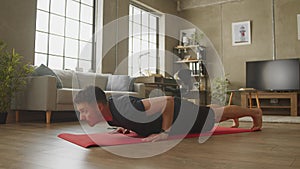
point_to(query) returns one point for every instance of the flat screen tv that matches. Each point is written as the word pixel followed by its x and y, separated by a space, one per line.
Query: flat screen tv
pixel 273 75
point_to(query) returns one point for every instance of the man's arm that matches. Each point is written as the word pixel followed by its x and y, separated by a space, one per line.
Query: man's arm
pixel 164 105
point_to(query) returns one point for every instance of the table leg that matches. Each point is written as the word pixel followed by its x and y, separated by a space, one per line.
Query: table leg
pixel 17 116
pixel 294 106
pixel 250 100
pixel 257 100
pixel 230 99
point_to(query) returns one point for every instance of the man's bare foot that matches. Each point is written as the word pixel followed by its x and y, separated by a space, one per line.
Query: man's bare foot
pixel 235 123
pixel 257 120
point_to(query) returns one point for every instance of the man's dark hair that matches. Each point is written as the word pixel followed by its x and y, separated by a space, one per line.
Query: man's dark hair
pixel 91 94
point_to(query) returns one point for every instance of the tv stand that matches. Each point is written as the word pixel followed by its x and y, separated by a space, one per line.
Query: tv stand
pixel 291 96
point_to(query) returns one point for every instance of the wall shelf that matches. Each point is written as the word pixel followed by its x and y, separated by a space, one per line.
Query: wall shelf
pixel 192 57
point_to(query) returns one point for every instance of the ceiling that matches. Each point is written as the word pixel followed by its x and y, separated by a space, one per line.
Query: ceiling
pixel 188 4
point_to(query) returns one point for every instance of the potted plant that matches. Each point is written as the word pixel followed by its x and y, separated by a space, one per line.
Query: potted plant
pixel 219 90
pixel 12 73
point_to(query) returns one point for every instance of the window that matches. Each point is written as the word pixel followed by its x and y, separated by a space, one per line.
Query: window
pixel 64 34
pixel 143 41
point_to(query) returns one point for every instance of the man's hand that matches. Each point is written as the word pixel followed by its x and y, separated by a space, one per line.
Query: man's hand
pixel 120 130
pixel 156 137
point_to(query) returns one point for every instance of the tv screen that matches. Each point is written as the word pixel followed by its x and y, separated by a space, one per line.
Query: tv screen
pixel 273 75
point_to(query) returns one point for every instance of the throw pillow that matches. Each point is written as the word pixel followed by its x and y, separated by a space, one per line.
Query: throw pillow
pixel 118 83
pixel 43 70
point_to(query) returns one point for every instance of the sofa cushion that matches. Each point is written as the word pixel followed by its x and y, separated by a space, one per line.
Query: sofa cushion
pixel 43 70
pixel 87 79
pixel 118 83
pixel 131 83
pixel 68 78
pixel 65 95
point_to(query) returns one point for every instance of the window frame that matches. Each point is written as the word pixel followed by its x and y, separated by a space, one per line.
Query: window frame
pixel 131 53
pixel 81 42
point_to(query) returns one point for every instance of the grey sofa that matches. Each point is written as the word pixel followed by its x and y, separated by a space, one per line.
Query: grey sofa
pixel 55 90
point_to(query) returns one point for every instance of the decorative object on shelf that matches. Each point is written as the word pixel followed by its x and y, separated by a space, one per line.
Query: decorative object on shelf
pixel 12 69
pixel 241 33
pixel 189 43
pixel 187 37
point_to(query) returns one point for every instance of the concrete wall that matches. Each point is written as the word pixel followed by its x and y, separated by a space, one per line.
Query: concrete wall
pixel 17 26
pixel 216 20
pixel 287 44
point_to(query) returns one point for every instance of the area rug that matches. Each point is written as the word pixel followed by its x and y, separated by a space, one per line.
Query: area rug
pixel 108 139
pixel 275 119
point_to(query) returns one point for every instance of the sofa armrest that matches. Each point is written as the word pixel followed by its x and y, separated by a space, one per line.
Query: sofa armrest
pixel 140 88
pixel 38 94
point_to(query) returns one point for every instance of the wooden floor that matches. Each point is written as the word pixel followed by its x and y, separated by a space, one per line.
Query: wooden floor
pixel 36 146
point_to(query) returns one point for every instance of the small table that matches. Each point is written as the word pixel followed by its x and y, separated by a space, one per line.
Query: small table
pixel 245 90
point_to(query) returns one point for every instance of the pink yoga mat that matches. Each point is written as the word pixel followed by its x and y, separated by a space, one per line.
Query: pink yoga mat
pixel 107 139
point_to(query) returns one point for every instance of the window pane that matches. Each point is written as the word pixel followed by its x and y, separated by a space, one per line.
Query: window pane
pixel 58 7
pixel 135 64
pixel 152 37
pixel 70 63
pixel 130 45
pixel 57 24
pixel 145 20
pixel 86 14
pixel 153 23
pixel 130 29
pixel 152 47
pixel 40 59
pixel 152 63
pixel 71 49
pixel 41 42
pixel 144 61
pixel 136 45
pixel 137 15
pixel 86 32
pixel 55 62
pixel 72 28
pixel 85 50
pixel 152 58
pixel 145 33
pixel 144 47
pixel 42 20
pixel 85 65
pixel 73 9
pixel 88 2
pixel 43 4
pixel 56 45
pixel 136 29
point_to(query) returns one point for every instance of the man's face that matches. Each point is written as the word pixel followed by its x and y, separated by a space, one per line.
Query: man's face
pixel 90 113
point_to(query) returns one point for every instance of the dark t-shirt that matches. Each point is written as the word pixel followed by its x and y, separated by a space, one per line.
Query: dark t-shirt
pixel 129 112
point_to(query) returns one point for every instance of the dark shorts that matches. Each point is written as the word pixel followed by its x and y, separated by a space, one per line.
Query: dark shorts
pixel 191 118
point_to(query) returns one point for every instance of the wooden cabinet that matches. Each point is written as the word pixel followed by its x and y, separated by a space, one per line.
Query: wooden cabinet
pixel 275 100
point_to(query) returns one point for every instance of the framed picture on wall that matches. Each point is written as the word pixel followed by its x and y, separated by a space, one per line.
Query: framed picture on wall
pixel 187 37
pixel 241 33
pixel 298 23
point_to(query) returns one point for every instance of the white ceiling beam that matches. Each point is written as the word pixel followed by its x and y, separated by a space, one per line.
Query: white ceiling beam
pixel 189 4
